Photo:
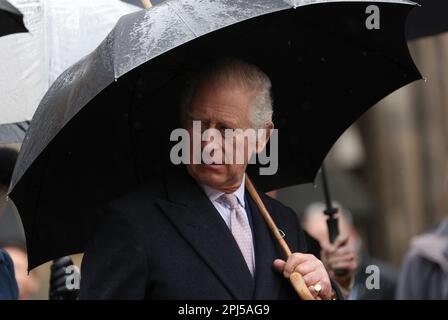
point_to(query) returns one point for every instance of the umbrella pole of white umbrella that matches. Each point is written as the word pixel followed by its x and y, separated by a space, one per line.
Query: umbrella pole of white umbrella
pixel 295 278
pixel 146 4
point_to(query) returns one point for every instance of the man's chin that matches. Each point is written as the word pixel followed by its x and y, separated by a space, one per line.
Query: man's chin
pixel 213 175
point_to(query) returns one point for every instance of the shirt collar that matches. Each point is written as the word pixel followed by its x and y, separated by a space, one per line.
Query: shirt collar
pixel 213 194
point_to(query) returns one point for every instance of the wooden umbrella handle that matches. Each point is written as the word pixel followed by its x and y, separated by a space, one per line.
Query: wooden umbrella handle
pixel 146 4
pixel 295 278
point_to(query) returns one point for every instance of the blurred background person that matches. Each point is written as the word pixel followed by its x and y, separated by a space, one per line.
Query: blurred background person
pixel 347 254
pixel 8 284
pixel 424 273
pixel 28 284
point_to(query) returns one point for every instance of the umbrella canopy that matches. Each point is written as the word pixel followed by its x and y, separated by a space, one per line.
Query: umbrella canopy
pixel 11 19
pixel 105 124
pixel 61 33
pixel 428 20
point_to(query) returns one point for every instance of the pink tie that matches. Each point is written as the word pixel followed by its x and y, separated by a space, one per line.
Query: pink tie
pixel 240 228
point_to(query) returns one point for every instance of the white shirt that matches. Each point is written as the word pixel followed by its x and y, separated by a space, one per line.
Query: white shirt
pixel 224 211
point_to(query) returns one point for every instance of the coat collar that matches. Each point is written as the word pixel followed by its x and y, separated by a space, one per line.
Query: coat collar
pixel 214 194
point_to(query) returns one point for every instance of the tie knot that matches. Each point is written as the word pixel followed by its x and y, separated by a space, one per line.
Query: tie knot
pixel 229 200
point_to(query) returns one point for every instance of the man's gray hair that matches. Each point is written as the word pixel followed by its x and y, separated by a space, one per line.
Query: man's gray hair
pixel 245 75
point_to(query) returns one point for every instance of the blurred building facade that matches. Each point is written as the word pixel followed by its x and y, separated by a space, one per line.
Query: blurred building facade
pixel 405 139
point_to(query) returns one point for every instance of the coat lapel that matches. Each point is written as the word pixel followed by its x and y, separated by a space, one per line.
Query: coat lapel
pixel 198 221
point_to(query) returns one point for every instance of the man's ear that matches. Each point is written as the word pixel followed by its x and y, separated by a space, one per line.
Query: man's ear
pixel 263 136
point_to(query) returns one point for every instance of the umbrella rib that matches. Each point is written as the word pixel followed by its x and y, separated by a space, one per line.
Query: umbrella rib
pixel 182 19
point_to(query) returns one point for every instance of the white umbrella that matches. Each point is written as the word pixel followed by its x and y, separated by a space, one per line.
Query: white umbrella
pixel 61 33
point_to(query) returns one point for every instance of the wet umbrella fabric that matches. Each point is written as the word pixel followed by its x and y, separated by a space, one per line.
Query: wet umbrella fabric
pixel 105 124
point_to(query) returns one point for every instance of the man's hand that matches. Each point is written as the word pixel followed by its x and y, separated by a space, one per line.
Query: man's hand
pixel 58 279
pixel 340 256
pixel 312 270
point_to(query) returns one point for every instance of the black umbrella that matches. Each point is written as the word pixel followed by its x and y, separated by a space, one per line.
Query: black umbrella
pixel 428 20
pixel 11 20
pixel 93 138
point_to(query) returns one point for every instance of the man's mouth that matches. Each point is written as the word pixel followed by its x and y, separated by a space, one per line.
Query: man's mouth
pixel 213 166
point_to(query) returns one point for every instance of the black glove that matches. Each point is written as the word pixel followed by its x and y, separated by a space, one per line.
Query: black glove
pixel 59 279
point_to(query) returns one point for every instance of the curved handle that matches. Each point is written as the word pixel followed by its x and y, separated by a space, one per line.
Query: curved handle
pixel 146 4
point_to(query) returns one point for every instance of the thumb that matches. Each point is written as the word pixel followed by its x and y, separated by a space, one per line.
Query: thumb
pixel 279 265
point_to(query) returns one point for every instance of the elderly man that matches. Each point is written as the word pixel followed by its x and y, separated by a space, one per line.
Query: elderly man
pixel 196 233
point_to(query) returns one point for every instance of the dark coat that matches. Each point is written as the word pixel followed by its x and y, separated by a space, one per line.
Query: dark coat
pixel 166 240
pixel 8 284
pixel 387 280
pixel 424 273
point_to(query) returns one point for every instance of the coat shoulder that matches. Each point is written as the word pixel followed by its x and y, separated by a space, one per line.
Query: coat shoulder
pixel 279 208
pixel 133 211
pixel 139 199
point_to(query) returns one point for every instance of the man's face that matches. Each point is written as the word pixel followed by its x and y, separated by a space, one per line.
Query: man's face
pixel 221 106
pixel 316 226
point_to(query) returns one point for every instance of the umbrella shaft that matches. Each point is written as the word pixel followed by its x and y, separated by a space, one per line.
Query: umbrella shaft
pixel 333 228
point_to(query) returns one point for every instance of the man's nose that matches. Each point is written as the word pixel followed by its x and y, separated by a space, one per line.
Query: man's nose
pixel 213 138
